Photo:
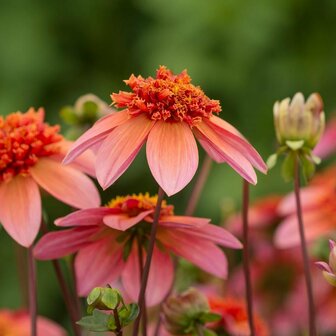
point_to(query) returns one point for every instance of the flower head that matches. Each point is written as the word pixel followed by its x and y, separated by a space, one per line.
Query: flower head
pixel 329 270
pixel 298 120
pixel 17 323
pixel 30 157
pixel 166 112
pixel 115 238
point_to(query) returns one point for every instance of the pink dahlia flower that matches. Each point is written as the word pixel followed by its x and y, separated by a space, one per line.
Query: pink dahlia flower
pixel 318 207
pixel 166 112
pixel 110 239
pixel 17 323
pixel 31 152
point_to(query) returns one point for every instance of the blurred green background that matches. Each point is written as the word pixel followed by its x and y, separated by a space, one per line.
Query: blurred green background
pixel 245 53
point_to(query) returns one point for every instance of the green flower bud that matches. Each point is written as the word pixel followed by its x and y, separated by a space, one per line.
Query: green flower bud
pixel 299 123
pixel 103 298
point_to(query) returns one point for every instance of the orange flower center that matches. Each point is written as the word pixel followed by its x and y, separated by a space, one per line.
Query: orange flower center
pixel 132 205
pixel 24 138
pixel 167 97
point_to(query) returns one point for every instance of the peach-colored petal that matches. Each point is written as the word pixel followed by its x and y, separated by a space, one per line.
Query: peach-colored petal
pixel 58 244
pixel 84 162
pixel 222 151
pixel 66 184
pixel 96 133
pixel 183 221
pixel 200 252
pixel 120 148
pixel 20 209
pixel 98 264
pixel 85 217
pixel 172 155
pixel 161 276
pixel 233 137
pixel 215 234
pixel 123 222
pixel 316 225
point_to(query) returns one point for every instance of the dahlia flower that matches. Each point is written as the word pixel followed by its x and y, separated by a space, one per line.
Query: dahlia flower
pixel 318 207
pixel 31 152
pixel 17 323
pixel 108 241
pixel 166 112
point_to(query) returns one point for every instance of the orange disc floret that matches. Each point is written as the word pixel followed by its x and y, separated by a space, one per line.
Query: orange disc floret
pixel 235 318
pixel 167 97
pixel 132 205
pixel 24 138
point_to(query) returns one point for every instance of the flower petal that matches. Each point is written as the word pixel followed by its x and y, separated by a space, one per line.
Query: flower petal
pixel 222 151
pixel 98 264
pixel 66 184
pixel 233 137
pixel 96 133
pixel 172 155
pixel 120 148
pixel 20 210
pixel 215 234
pixel 85 217
pixel 200 252
pixel 58 244
pixel 124 222
pixel 183 221
pixel 160 280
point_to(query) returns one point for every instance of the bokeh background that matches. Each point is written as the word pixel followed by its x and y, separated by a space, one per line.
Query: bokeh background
pixel 247 54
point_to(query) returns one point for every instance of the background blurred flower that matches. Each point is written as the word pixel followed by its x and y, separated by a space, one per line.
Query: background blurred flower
pixel 30 157
pixel 107 240
pixel 165 112
pixel 327 144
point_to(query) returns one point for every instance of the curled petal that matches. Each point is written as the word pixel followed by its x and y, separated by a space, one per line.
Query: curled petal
pixel 96 134
pixel 20 210
pixel 120 148
pixel 66 184
pixel 183 221
pixel 172 155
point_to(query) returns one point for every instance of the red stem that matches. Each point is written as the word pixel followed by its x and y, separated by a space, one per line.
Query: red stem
pixel 309 287
pixel 32 291
pixel 247 272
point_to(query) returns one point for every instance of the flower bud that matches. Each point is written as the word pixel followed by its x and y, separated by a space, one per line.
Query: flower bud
pixel 329 271
pixel 299 123
pixel 103 298
pixel 181 312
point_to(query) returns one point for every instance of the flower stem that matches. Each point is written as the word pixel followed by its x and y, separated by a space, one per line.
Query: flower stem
pixel 309 287
pixel 119 331
pixel 247 272
pixel 199 185
pixel 68 298
pixel 32 291
pixel 144 315
pixel 146 269
pixel 199 330
pixel 21 264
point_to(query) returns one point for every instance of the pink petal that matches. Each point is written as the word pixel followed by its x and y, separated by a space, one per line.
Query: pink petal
pixel 58 244
pixel 327 144
pixel 311 196
pixel 85 217
pixel 120 148
pixel 96 133
pixel 323 266
pixel 124 222
pixel 98 264
pixel 84 162
pixel 316 224
pixel 160 280
pixel 20 209
pixel 172 155
pixel 215 234
pixel 66 184
pixel 183 221
pixel 234 138
pixel 200 252
pixel 222 151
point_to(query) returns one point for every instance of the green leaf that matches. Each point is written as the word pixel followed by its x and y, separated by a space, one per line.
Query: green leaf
pixel 271 161
pixel 295 145
pixel 209 332
pixel 97 322
pixel 308 167
pixel 128 314
pixel 288 167
pixel 209 317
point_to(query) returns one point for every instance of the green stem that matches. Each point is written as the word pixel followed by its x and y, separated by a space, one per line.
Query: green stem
pixel 119 331
pixel 309 287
